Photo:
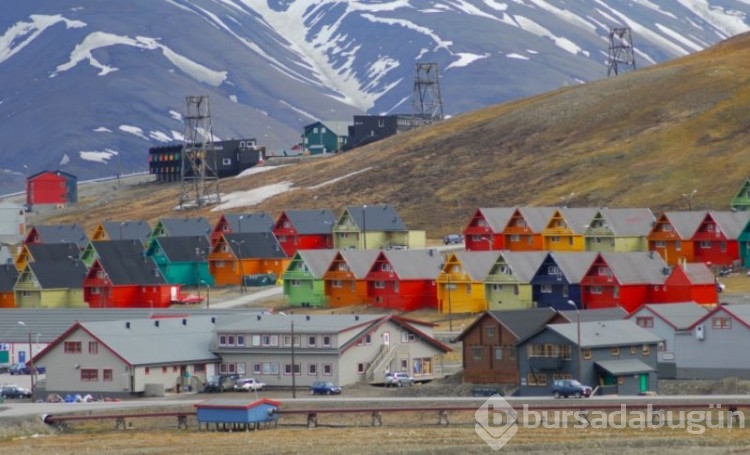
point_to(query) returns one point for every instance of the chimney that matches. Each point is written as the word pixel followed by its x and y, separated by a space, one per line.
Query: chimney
pixel 184 322
pixel 258 317
pixel 127 324
pixel 213 320
pixel 156 323
pixel 356 317
pixel 307 318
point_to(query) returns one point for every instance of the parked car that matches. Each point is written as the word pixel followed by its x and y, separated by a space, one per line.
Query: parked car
pixel 221 383
pixel 14 391
pixel 398 379
pixel 17 368
pixel 569 387
pixel 249 385
pixel 453 239
pixel 324 388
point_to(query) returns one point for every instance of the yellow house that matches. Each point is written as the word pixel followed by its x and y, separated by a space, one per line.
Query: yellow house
pixel 566 228
pixel 619 230
pixel 372 227
pixel 461 281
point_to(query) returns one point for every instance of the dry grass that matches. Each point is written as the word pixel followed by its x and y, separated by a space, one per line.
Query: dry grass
pixel 638 140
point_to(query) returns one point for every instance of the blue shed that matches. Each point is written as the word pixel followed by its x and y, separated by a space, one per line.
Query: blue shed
pixel 228 414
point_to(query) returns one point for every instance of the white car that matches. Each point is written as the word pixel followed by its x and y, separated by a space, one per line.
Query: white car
pixel 249 385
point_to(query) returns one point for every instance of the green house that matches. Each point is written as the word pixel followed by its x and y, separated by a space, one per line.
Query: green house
pixel 508 285
pixel 182 260
pixel 741 200
pixel 303 278
pixel 329 137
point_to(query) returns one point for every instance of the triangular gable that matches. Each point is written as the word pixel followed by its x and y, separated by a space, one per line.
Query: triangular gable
pixel 494 218
pixel 625 222
pixel 522 265
pixel 630 268
pixel 682 224
pixel 475 264
pixel 313 262
pixel 572 265
pixel 737 312
pixel 60 339
pixel 679 315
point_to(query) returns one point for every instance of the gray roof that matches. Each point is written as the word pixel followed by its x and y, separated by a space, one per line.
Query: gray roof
pixel 127 230
pixel 629 221
pixel 415 264
pixel 573 264
pixel 605 333
pixel 360 261
pixel 685 223
pixel 249 222
pixel 681 315
pixel 624 366
pixel 477 264
pixel 537 217
pixel 317 261
pixel 523 264
pixel 497 217
pixel 310 221
pixel 178 339
pixel 740 311
pixel 126 263
pixel 8 276
pixel 176 227
pixel 698 273
pixel 577 218
pixel 731 223
pixel 524 322
pixel 261 245
pixel 637 267
pixel 42 252
pixel 374 218
pixel 183 249
pixel 339 127
pixel 62 233
pixel 59 274
pixel 50 323
pixel 278 323
pixel 597 314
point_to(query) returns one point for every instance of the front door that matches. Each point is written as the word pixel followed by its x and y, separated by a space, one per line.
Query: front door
pixel 644 382
pixel 386 338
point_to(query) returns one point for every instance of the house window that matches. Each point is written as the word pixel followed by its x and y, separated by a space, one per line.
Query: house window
pixel 705 244
pixel 666 227
pixel 240 340
pixel 490 333
pixel 385 267
pixel 604 271
pixel 678 246
pixel 497 287
pixel 616 292
pixel 362 367
pixel 546 289
pixel 596 289
pixel 721 323
pixel 404 364
pixel 312 340
pixel 296 283
pixel 537 379
pixel 565 351
pixel 256 368
pixel 255 340
pixel 312 369
pixel 270 368
pixel 511 353
pixel 646 349
pixel 662 346
pixel 660 244
pixel 379 284
pixel 89 375
pixel 587 353
pixel 288 369
pixel 615 351
pixel 337 283
pixel 93 347
pixel 515 238
pixel 226 161
pixel 555 238
pixel 72 347
pixel 327 369
pixel 270 340
pixel 620 380
pixel 326 341
pixel 147 371
pixel 498 353
pixel 552 270
pixel 199 368
pixel 477 352
pixel 230 340
pixel 107 375
pixel 645 321
pixel 633 350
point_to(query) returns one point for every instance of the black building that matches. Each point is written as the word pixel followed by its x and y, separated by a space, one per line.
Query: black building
pixel 372 128
pixel 232 157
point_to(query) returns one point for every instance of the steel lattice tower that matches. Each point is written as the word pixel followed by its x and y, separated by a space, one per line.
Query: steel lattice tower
pixel 621 58
pixel 199 177
pixel 427 100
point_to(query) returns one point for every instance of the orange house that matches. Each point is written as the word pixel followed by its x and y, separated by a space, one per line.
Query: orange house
pixel 344 280
pixel 8 277
pixel 241 223
pixel 566 228
pixel 237 255
pixel 524 229
pixel 672 235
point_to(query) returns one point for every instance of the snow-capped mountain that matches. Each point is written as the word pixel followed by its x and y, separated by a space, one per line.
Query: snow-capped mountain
pixel 88 86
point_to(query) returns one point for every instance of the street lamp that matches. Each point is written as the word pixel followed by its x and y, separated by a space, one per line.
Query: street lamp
pixel 208 293
pixel 294 373
pixel 578 336
pixel 32 370
pixel 690 198
pixel 448 287
pixel 242 267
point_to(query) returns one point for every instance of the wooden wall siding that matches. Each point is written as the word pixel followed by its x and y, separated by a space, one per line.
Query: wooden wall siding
pixel 480 363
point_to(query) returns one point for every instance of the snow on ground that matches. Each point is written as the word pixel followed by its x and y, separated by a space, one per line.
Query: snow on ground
pixel 257 170
pixel 251 197
pixel 320 185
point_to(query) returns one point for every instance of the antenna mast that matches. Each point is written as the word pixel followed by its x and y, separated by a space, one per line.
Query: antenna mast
pixel 427 99
pixel 199 176
pixel 621 58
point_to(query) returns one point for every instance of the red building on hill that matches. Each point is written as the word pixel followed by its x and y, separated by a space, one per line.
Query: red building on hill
pixel 52 188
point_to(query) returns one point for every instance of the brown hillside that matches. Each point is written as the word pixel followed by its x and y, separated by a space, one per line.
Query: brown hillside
pixel 639 139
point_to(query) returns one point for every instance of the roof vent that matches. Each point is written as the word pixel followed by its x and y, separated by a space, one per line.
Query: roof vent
pixel 184 322
pixel 307 318
pixel 127 324
pixel 356 317
pixel 258 317
pixel 213 320
pixel 156 323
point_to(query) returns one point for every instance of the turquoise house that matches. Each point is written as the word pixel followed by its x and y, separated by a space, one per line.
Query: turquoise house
pixel 182 260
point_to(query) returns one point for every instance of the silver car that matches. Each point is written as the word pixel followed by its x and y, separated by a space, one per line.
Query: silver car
pixel 398 379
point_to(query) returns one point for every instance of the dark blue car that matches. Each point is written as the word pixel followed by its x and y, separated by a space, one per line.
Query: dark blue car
pixel 324 388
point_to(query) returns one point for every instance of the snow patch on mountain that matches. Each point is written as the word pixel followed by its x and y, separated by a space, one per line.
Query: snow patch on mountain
pixel 134 130
pixel 21 34
pixel 464 59
pixel 98 156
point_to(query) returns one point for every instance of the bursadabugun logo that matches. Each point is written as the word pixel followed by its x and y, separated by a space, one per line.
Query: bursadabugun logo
pixel 496 422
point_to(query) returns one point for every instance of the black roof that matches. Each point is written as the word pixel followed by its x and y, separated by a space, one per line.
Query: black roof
pixel 59 274
pixel 8 276
pixel 127 230
pixel 255 245
pixel 180 227
pixel 311 221
pixel 42 252
pixel 62 233
pixel 125 262
pixel 249 222
pixel 183 249
pixel 376 218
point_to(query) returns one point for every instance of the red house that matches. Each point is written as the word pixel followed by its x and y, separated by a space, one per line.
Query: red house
pixel 715 242
pixel 485 229
pixel 624 279
pixel 56 188
pixel 404 280
pixel 123 278
pixel 688 282
pixel 304 230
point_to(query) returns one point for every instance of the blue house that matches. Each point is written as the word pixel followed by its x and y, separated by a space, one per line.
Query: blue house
pixel 558 279
pixel 228 414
